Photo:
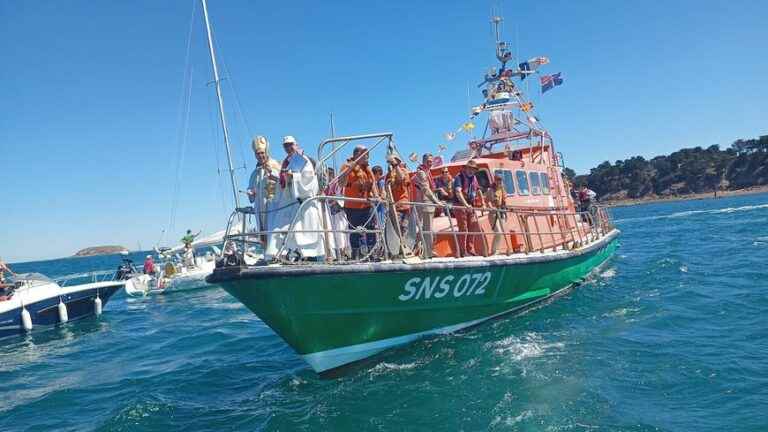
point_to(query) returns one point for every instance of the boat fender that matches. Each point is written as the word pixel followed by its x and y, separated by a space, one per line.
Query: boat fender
pixel 97 305
pixel 63 317
pixel 26 320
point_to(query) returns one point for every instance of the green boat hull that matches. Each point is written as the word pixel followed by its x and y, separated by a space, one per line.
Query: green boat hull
pixel 333 315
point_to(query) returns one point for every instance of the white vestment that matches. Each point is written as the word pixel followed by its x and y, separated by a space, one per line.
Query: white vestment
pixel 262 204
pixel 306 235
pixel 339 222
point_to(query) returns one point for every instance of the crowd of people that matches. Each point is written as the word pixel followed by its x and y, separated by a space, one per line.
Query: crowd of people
pixel 278 189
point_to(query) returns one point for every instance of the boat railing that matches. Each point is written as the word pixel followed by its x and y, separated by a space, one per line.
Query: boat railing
pixel 502 231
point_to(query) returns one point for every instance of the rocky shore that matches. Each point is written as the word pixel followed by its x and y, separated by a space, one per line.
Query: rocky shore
pixel 693 196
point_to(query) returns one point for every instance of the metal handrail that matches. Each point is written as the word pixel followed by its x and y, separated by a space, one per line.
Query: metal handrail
pixel 321 160
pixel 574 233
pixel 346 140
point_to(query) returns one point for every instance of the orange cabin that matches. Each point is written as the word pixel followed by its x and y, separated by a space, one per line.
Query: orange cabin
pixel 535 188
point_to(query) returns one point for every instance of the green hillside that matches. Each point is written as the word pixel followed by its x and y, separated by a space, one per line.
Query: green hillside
pixel 691 170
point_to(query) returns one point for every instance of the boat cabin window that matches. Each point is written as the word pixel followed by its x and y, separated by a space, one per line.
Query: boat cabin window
pixel 509 181
pixel 482 179
pixel 522 182
pixel 545 184
pixel 535 183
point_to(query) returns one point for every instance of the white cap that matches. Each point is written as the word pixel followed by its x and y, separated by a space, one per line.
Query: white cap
pixel 149 256
pixel 391 157
pixel 289 139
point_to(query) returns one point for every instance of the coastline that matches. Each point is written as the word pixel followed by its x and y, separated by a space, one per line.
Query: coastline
pixel 688 197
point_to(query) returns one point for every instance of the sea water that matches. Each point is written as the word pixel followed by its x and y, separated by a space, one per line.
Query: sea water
pixel 670 335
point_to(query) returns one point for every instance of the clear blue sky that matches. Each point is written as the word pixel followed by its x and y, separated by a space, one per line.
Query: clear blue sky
pixel 89 100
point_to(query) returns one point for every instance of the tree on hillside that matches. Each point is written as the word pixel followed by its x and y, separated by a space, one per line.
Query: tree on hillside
pixel 688 170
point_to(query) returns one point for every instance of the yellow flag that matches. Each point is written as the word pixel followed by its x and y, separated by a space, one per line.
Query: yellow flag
pixel 468 126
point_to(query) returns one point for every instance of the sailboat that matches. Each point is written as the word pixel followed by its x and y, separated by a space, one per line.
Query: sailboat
pixel 178 267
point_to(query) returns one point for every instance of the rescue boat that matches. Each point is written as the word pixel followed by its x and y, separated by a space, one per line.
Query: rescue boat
pixel 334 312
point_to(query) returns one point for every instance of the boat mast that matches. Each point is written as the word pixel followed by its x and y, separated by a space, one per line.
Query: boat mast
pixel 217 81
pixel 333 135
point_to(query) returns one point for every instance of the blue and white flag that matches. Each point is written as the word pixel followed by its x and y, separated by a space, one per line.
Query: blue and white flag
pixel 525 69
pixel 531 66
pixel 550 81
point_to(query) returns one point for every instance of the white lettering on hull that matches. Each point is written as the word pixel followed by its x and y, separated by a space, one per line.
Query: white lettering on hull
pixel 438 287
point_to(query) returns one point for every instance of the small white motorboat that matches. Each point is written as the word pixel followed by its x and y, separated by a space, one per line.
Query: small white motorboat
pixel 173 276
pixel 36 300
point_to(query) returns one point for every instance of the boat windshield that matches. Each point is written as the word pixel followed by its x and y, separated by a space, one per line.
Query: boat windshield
pixel 31 277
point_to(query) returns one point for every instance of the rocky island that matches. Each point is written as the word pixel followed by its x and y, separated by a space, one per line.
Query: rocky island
pixel 100 250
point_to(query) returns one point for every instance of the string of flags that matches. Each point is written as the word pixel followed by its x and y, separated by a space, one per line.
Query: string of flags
pixel 467 127
pixel 501 90
pixel 548 82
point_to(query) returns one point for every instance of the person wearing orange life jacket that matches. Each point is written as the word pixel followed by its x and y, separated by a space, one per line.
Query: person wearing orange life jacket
pixel 466 190
pixel 359 182
pixel 399 184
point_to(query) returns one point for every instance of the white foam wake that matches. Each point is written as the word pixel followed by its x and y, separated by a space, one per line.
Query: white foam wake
pixel 695 212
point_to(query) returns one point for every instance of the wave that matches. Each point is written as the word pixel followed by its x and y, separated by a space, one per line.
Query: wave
pixel 694 212
pixel 386 367
pixel 621 312
pixel 510 420
pixel 530 345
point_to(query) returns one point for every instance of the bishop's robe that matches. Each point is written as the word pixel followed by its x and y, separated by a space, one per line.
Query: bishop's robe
pixel 262 201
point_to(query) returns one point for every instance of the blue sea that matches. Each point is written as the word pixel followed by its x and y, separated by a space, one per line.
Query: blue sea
pixel 670 335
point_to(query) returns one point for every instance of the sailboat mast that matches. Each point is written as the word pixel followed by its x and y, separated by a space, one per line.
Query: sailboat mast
pixel 217 81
